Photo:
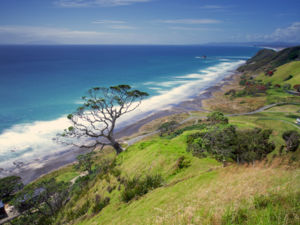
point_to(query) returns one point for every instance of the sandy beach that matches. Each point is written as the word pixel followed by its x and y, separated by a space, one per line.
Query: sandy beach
pixel 49 163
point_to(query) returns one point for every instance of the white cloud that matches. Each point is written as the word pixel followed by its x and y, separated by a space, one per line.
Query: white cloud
pixel 291 33
pixel 191 21
pixel 115 24
pixel 212 7
pixel 101 3
pixel 287 34
pixel 46 35
pixel 108 22
pixel 122 27
pixel 194 28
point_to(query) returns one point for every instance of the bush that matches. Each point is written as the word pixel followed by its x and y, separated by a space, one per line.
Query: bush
pixel 100 203
pixel 287 86
pixel 217 117
pixel 231 92
pixel 297 87
pixel 288 78
pixel 182 163
pixel 240 146
pixel 167 127
pixel 137 187
pixel 8 186
pixel 292 140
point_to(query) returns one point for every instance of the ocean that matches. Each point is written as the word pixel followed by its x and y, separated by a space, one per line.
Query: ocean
pixel 40 85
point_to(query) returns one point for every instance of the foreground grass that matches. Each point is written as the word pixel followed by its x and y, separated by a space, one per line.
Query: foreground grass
pixel 202 199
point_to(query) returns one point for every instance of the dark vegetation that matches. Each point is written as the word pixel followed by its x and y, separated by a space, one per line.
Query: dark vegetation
pixel 231 144
pixel 40 202
pixel 292 140
pixel 137 186
pixel 167 127
pixel 9 186
pixel 85 162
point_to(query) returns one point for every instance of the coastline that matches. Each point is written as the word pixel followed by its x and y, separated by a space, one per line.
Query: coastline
pixel 34 170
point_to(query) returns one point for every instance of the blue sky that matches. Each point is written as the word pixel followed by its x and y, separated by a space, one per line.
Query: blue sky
pixel 148 21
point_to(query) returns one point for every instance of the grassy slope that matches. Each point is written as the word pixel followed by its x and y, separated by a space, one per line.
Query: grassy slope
pixel 202 192
pixel 282 72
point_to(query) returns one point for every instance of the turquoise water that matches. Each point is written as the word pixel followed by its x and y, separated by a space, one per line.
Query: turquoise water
pixel 39 85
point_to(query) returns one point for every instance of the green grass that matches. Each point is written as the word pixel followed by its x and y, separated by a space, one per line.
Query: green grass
pixel 282 72
pixel 65 174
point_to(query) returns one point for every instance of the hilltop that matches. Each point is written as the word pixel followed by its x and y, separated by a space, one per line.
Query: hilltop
pixel 267 59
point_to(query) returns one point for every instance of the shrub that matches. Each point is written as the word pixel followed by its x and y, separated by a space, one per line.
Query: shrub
pixel 297 87
pixel 100 203
pixel 286 86
pixel 182 162
pixel 167 127
pixel 137 186
pixel 277 86
pixel 8 186
pixel 217 117
pixel 292 140
pixel 110 188
pixel 288 78
pixel 231 92
pixel 240 146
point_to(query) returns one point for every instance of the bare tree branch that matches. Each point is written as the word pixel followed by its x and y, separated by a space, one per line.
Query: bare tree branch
pixel 96 118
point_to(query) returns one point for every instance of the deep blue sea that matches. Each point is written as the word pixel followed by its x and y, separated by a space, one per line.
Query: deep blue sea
pixel 39 85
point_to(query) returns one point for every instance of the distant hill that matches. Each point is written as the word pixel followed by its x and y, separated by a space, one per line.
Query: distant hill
pixel 267 59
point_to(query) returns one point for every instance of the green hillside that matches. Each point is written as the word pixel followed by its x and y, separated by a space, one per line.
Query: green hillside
pixel 282 74
pixel 203 192
pixel 267 59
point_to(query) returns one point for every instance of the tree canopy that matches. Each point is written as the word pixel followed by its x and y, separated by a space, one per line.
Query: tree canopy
pixel 94 122
pixel 8 186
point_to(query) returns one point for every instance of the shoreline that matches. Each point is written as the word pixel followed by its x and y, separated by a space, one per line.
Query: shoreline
pixel 36 169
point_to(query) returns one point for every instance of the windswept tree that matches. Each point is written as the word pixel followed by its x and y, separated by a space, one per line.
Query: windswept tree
pixel 94 122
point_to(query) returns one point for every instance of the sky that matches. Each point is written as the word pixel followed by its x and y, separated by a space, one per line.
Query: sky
pixel 148 21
